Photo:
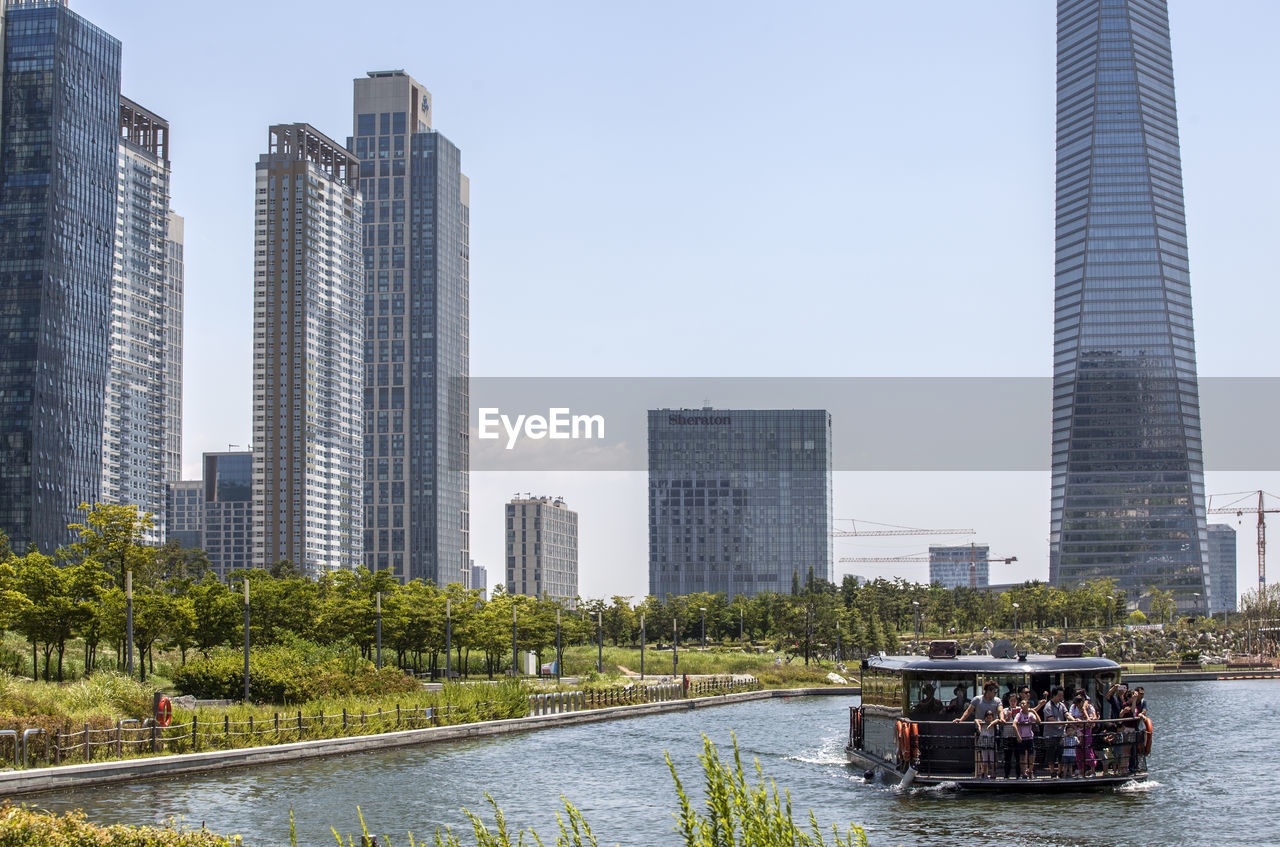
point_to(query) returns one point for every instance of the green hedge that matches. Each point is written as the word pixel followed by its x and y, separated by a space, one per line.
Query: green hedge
pixel 287 674
pixel 24 827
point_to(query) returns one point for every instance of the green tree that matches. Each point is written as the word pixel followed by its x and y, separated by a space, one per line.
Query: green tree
pixel 115 536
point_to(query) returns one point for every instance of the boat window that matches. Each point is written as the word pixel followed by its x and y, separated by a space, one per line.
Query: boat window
pixel 882 688
pixel 939 697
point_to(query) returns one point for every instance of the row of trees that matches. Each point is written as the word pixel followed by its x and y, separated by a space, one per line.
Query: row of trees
pixel 179 604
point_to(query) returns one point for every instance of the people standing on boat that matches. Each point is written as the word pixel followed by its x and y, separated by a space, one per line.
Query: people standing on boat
pixel 1082 710
pixel 1054 713
pixel 1070 743
pixel 990 700
pixel 987 744
pixel 957 704
pixel 1009 738
pixel 1117 699
pixel 1025 721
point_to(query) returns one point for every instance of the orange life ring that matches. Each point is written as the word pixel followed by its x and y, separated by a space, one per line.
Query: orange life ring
pixel 1145 747
pixel 913 750
pixel 900 733
pixel 164 711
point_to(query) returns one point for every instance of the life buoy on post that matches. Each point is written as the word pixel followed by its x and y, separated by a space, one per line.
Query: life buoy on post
pixel 913 750
pixel 164 711
pixel 1145 746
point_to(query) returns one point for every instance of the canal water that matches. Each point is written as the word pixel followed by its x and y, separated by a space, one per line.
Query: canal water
pixel 1213 767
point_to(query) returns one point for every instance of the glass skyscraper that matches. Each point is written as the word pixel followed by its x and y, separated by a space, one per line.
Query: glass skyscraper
pixel 1128 482
pixel 417 334
pixel 739 500
pixel 59 125
pixel 227 520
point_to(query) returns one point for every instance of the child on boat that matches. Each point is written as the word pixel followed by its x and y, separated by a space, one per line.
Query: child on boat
pixel 987 744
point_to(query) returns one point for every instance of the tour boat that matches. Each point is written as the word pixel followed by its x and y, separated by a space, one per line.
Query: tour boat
pixel 905 728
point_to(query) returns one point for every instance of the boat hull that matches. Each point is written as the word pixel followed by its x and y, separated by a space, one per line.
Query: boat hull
pixel 1046 784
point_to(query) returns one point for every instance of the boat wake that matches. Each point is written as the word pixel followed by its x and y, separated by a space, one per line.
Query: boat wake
pixel 1135 787
pixel 940 788
pixel 830 753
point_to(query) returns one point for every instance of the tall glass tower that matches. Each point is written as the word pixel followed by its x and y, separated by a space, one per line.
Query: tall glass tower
pixel 417 334
pixel 1128 477
pixel 59 128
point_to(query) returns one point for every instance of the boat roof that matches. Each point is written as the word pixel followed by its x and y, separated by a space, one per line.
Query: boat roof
pixel 1033 663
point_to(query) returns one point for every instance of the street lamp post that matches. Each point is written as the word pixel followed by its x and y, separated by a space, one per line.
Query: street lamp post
pixel 642 645
pixel 839 657
pixel 1015 616
pixel 128 615
pixel 703 609
pixel 515 657
pixel 916 603
pixel 246 640
pixel 448 638
pixel 558 652
pixel 378 600
pixel 741 639
pixel 675 647
pixel 599 643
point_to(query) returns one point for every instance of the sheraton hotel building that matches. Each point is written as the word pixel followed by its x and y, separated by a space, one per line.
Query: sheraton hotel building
pixel 739 499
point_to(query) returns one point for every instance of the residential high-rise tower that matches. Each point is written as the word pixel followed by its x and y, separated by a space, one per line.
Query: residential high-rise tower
pixel 142 431
pixel 542 549
pixel 59 124
pixel 416 351
pixel 308 292
pixel 1128 483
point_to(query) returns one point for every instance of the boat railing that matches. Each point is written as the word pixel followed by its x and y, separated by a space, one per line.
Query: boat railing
pixel 1098 747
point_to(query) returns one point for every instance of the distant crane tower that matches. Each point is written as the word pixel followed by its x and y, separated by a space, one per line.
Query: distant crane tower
pixel 1237 508
pixel 892 529
pixel 921 557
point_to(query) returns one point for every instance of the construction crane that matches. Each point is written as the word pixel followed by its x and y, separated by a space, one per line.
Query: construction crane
pixel 920 557
pixel 892 529
pixel 1238 508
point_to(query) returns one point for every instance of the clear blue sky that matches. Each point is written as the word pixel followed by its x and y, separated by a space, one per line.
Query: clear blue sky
pixel 666 189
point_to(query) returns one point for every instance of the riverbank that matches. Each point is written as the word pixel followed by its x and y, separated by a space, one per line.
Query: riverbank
pixel 15 783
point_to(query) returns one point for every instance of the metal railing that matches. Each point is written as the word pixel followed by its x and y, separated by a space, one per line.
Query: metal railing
pixel 1101 747
pixel 626 695
pixel 37 747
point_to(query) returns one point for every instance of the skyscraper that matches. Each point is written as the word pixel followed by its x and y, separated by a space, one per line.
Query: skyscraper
pixel 542 549
pixel 416 352
pixel 227 520
pixel 308 289
pixel 142 442
pixel 960 565
pixel 59 124
pixel 1128 483
pixel 739 500
pixel 1222 570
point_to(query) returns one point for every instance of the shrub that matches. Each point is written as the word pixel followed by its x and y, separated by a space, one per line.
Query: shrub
pixel 21 826
pixel 287 674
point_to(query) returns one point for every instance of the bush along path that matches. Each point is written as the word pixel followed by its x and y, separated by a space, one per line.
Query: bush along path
pixel 244 726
